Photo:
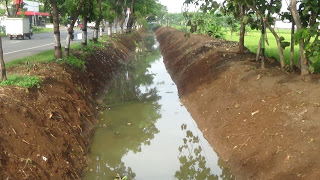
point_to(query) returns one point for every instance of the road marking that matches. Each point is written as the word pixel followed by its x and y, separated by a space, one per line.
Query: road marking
pixel 29 48
pixel 15 42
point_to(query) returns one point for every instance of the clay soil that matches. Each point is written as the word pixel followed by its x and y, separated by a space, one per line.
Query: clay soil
pixel 262 122
pixel 45 132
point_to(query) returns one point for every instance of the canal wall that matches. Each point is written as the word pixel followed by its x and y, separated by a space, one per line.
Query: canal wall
pixel 45 131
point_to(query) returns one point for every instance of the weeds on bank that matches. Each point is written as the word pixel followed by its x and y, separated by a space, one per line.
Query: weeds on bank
pixel 76 63
pixel 22 81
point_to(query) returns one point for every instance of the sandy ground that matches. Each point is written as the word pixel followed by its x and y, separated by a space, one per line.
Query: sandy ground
pixel 263 123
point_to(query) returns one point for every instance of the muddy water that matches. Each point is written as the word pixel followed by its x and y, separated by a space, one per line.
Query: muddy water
pixel 146 133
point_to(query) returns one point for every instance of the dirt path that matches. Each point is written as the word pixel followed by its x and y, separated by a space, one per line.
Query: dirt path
pixel 45 132
pixel 263 123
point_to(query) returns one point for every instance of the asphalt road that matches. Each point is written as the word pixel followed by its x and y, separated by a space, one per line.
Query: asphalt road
pixel 15 49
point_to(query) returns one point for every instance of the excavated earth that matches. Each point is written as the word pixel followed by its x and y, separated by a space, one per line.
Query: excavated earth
pixel 45 132
pixel 262 122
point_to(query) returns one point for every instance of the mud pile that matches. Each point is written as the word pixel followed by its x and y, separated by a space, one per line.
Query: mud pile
pixel 45 132
pixel 263 123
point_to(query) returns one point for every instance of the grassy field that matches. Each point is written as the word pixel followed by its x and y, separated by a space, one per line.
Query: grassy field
pixel 252 41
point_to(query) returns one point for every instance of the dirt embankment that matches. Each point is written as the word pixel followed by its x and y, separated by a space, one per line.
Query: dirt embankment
pixel 263 123
pixel 45 132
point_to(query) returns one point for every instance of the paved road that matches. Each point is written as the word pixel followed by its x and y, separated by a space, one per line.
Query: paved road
pixel 14 49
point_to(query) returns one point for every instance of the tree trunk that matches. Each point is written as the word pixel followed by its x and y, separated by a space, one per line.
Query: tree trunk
pixel 292 45
pixel 109 29
pixel 84 40
pixel 130 21
pixel 9 14
pixel 280 49
pixel 57 42
pixel 259 50
pixel 123 16
pixel 2 65
pixel 242 29
pixel 101 32
pixel 262 43
pixel 303 59
pixel 96 27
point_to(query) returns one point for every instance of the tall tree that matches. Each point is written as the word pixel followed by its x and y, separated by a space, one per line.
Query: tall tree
pixel 98 20
pixel 273 7
pixel 74 12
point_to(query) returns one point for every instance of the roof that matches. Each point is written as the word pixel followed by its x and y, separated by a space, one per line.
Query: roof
pixel 31 13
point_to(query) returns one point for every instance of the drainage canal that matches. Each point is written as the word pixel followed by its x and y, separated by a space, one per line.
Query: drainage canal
pixel 146 133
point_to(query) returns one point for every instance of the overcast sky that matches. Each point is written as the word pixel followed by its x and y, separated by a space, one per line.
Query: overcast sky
pixel 174 6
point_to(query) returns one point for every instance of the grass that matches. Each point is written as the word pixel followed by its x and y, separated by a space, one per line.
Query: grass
pixel 44 57
pixel 22 81
pixel 252 38
pixel 38 29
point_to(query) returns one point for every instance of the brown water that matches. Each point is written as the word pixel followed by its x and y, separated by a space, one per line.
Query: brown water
pixel 147 134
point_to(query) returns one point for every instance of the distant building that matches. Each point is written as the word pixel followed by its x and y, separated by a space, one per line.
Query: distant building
pixel 31 10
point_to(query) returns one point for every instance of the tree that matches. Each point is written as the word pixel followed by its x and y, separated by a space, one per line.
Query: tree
pixel 56 31
pixel 273 7
pixel 302 34
pixel 238 9
pixel 2 65
pixel 98 20
pixel 74 12
pixel 87 14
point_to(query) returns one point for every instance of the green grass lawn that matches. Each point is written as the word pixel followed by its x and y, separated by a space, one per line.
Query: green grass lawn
pixel 252 38
pixel 38 29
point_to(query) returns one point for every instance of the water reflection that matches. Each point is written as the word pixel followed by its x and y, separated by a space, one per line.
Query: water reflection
pixel 192 160
pixel 130 121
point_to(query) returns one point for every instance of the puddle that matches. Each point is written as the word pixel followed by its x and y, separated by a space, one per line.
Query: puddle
pixel 146 133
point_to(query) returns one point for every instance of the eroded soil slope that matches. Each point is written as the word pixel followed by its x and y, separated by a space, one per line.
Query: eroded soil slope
pixel 45 132
pixel 263 123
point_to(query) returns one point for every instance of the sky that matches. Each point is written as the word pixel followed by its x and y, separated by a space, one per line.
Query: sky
pixel 175 6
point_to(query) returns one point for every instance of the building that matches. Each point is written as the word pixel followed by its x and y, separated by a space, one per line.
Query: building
pixel 31 10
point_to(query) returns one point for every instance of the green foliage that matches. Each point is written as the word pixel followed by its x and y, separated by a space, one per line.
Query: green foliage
pixel 313 53
pixel 209 24
pixel 76 63
pixel 303 33
pixel 22 81
pixel 283 43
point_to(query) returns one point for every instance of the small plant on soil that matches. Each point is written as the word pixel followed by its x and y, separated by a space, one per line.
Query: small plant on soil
pixel 22 81
pixel 76 63
pixel 118 177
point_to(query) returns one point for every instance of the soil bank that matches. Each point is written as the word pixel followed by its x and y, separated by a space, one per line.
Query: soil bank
pixel 45 132
pixel 263 123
